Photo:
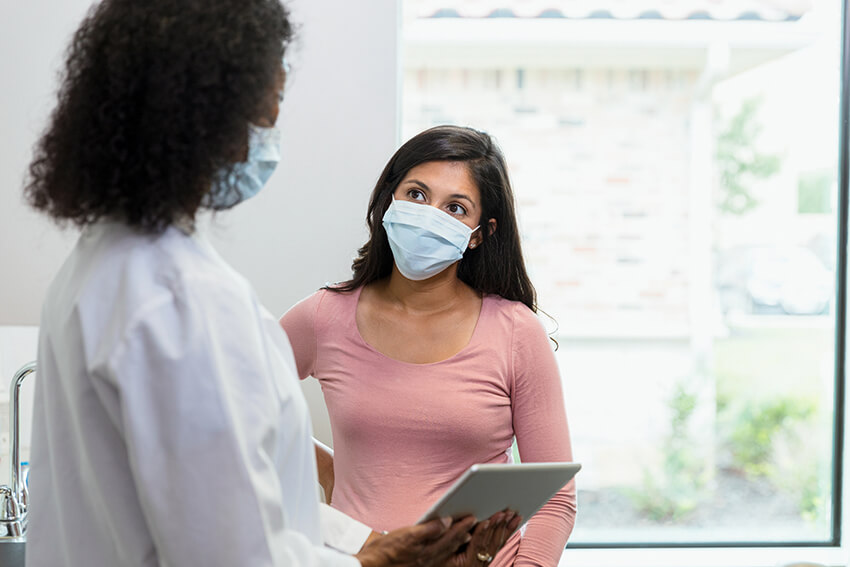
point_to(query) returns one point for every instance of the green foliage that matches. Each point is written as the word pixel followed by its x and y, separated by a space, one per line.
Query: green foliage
pixel 811 499
pixel 795 461
pixel 813 192
pixel 683 404
pixel 752 437
pixel 674 493
pixel 739 163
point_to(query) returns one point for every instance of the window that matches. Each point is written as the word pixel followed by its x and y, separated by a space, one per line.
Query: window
pixel 675 166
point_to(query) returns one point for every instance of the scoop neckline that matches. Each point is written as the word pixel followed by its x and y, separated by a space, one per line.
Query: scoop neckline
pixel 472 339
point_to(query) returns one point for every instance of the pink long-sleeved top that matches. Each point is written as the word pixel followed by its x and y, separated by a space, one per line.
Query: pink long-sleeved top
pixel 404 433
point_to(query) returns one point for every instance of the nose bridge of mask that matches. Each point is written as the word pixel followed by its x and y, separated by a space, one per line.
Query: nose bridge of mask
pixel 438 222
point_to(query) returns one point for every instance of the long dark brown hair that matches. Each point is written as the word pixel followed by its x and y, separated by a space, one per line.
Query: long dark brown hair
pixel 496 266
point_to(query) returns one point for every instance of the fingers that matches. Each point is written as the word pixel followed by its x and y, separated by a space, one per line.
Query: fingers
pixel 488 538
pixel 490 535
pixel 511 524
pixel 436 543
pixel 440 551
pixel 444 533
pixel 501 533
pixel 460 529
pixel 428 544
pixel 514 524
pixel 430 530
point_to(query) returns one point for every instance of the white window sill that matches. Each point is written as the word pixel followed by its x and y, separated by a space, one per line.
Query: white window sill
pixel 705 557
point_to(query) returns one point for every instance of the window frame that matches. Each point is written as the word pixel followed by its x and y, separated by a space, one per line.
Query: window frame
pixel 834 552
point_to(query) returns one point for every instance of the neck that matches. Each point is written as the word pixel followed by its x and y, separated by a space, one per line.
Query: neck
pixel 437 293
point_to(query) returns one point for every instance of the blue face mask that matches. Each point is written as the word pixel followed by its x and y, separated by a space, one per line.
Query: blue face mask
pixel 424 240
pixel 247 177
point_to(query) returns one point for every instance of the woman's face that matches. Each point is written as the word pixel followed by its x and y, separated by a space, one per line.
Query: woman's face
pixel 446 185
pixel 270 106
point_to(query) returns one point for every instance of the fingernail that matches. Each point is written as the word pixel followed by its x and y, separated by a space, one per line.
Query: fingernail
pixel 447 521
pixel 485 524
pixel 467 537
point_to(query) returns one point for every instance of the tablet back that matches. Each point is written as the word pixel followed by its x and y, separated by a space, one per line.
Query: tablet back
pixel 484 490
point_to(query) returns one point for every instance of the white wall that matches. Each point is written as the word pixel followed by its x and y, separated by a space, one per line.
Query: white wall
pixel 339 124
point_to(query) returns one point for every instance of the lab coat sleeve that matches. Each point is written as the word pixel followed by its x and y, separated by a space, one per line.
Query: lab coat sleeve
pixel 200 414
pixel 341 531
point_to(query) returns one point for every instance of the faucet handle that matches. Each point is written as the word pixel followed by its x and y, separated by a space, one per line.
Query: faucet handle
pixel 11 522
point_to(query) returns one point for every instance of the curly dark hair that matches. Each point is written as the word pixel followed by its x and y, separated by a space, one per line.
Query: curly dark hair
pixel 496 266
pixel 156 97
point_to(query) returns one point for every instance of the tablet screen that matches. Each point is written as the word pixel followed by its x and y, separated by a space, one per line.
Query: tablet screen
pixel 484 490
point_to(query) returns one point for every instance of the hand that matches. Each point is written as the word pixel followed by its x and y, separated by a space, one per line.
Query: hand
pixel 488 537
pixel 424 545
pixel 372 537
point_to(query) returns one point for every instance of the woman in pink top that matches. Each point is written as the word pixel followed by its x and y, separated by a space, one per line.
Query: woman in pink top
pixel 431 357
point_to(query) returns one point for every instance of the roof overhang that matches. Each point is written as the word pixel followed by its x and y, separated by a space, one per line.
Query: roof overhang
pixel 542 43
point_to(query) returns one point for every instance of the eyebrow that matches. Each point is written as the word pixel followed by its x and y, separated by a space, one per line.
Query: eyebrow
pixel 452 196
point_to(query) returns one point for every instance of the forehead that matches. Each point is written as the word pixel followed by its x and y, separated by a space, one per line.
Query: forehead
pixel 448 177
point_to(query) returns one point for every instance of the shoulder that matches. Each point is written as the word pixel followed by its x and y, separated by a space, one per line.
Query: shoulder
pixel 123 291
pixel 131 273
pixel 319 306
pixel 522 326
pixel 188 264
pixel 324 298
pixel 302 315
pixel 307 304
pixel 333 298
pixel 514 313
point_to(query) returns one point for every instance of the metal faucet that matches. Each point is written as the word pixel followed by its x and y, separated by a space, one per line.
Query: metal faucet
pixel 14 498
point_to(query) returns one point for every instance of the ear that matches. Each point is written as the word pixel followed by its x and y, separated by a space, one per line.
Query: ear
pixel 475 241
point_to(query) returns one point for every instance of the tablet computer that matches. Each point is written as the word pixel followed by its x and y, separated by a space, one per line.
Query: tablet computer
pixel 484 490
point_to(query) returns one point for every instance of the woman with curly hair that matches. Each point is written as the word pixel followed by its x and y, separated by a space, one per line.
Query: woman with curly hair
pixel 169 428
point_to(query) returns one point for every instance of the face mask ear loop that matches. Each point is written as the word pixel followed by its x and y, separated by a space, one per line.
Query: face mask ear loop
pixel 473 245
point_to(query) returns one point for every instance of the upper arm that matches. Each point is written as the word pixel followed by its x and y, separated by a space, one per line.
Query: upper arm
pixel 299 323
pixel 540 421
pixel 540 425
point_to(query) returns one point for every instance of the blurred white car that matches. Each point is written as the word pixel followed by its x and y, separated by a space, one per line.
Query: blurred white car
pixel 782 279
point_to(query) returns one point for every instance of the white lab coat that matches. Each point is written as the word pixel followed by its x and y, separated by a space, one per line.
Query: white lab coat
pixel 169 426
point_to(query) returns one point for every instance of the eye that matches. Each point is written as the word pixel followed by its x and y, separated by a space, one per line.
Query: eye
pixel 416 195
pixel 456 209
